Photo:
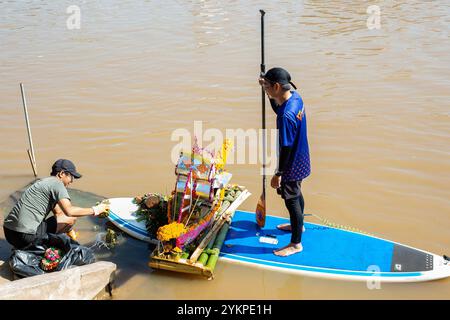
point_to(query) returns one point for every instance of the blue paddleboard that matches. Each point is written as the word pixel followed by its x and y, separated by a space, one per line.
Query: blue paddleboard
pixel 330 252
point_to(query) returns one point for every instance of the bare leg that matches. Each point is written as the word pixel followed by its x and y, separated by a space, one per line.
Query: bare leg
pixel 64 223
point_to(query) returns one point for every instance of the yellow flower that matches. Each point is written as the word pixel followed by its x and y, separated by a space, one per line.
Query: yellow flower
pixel 221 157
pixel 170 231
pixel 177 250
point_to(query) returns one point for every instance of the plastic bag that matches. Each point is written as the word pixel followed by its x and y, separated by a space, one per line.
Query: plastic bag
pixel 26 262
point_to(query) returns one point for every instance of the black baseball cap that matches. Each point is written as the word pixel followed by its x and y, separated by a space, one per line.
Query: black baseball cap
pixel 279 75
pixel 67 166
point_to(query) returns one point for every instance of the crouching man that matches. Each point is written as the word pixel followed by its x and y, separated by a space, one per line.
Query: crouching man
pixel 27 222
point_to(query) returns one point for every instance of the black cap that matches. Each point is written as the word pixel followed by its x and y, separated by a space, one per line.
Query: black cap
pixel 279 75
pixel 65 165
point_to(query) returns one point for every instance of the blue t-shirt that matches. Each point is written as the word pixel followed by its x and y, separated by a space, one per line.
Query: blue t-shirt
pixel 292 132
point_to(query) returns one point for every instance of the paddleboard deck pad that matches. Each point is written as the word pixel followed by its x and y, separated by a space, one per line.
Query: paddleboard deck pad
pixel 329 252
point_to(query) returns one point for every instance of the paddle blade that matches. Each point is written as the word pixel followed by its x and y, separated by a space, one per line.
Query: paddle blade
pixel 261 211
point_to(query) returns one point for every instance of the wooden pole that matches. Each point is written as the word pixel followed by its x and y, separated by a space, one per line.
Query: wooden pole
pixel 30 139
pixel 33 165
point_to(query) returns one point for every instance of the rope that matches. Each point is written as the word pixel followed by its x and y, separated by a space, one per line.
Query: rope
pixel 339 226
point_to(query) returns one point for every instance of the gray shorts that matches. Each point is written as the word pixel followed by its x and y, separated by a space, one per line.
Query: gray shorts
pixel 290 189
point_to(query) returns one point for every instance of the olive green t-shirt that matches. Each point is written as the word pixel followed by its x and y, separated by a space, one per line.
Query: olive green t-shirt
pixel 35 204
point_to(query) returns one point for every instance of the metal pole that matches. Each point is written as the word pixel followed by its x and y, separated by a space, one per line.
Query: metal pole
pixel 30 139
pixel 261 205
pixel 263 105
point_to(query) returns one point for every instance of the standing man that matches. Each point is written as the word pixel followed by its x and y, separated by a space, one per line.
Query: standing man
pixel 293 160
pixel 27 223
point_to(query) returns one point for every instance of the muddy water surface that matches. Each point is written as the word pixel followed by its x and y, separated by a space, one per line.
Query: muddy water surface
pixel 110 95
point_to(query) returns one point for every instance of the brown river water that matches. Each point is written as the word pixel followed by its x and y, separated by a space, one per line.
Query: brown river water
pixel 110 95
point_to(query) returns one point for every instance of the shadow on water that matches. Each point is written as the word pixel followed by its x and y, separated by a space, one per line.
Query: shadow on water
pixel 6 205
pixel 11 182
pixel 130 255
pixel 5 253
pixel 5 250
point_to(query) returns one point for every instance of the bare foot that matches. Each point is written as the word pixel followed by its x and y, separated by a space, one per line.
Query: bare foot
pixel 291 248
pixel 287 227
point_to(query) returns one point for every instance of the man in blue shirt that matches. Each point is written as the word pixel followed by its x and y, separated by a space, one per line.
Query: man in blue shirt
pixel 293 161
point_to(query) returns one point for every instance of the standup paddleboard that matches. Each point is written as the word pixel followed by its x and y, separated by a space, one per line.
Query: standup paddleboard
pixel 122 213
pixel 330 253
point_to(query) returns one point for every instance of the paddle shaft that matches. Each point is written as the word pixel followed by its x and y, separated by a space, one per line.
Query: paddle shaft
pixel 263 106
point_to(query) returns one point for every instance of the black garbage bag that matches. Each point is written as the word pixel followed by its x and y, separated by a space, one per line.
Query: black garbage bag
pixel 26 262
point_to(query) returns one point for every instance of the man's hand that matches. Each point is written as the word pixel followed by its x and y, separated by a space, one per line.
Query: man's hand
pixel 275 182
pixel 100 208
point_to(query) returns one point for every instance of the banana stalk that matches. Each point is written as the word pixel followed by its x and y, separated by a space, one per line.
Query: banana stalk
pixel 214 256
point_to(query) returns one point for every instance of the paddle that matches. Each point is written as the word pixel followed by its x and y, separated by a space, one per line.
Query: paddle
pixel 261 206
